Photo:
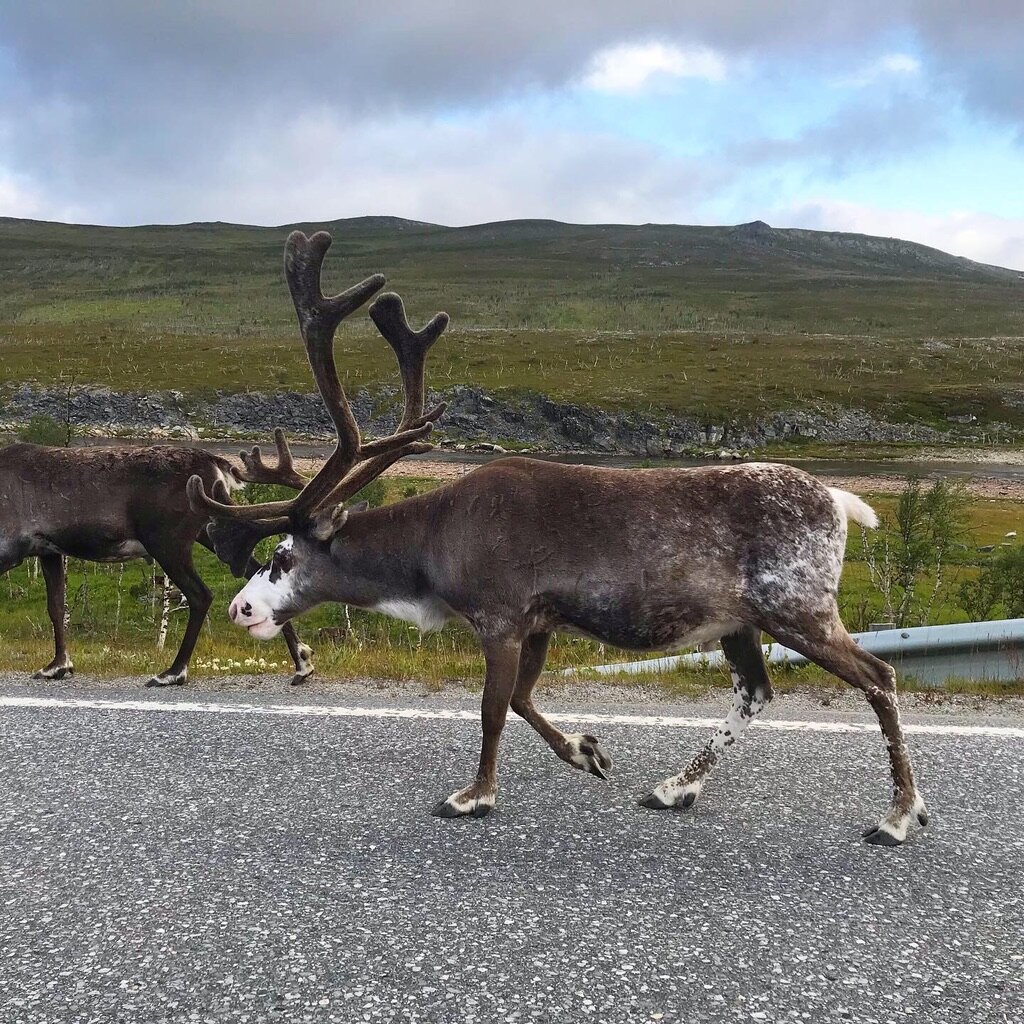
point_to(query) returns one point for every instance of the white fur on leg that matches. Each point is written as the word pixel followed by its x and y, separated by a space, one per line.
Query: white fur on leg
pixel 683 789
pixel 167 679
pixel 892 829
pixel 465 802
pixel 587 754
pixel 305 666
pixel 55 671
pixel 675 791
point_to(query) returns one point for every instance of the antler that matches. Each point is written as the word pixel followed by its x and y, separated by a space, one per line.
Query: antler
pixel 352 464
pixel 410 348
pixel 258 472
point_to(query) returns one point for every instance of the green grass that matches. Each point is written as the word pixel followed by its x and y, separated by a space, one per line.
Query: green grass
pixel 687 320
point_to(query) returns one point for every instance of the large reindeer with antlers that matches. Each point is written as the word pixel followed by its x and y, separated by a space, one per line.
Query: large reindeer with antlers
pixel 520 548
pixel 119 503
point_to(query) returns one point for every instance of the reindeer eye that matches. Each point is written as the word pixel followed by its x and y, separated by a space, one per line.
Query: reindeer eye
pixel 281 564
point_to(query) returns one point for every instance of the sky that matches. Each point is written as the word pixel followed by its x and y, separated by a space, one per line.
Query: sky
pixel 893 118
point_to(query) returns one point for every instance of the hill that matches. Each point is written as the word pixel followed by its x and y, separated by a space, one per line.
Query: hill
pixel 717 321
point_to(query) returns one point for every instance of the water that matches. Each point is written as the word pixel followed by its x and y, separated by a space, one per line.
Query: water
pixel 898 468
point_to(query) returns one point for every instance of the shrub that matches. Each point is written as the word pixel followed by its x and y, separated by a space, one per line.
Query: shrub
pixel 909 557
pixel 998 591
pixel 42 429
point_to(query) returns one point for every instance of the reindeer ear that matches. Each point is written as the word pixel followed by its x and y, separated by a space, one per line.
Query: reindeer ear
pixel 328 522
pixel 234 541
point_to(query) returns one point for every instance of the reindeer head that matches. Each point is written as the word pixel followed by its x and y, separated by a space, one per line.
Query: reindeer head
pixel 288 584
pixel 300 574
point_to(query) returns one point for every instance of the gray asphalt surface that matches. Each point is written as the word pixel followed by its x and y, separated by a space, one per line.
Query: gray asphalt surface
pixel 183 866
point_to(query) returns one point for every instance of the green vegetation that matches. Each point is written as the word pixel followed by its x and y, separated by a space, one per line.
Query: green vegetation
pixel 42 429
pixel 717 322
pixel 115 612
pixel 998 589
pixel 910 556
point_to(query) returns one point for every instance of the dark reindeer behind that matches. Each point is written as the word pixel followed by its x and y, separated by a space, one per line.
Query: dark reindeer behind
pixel 113 504
pixel 521 548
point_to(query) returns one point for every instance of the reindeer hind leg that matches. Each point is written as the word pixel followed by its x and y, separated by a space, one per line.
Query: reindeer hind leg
pixel 302 655
pixel 752 691
pixel 835 651
pixel 54 574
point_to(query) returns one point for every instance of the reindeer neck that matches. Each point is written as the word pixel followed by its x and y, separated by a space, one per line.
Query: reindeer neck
pixel 380 555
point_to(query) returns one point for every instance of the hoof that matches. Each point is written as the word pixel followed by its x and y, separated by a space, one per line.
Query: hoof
pixel 447 810
pixel 167 680
pixel 587 754
pixel 62 672
pixel 880 837
pixel 655 802
pixel 673 793
pixel 892 829
pixel 459 806
pixel 305 667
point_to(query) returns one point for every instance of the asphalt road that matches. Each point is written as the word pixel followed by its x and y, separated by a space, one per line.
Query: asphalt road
pixel 191 865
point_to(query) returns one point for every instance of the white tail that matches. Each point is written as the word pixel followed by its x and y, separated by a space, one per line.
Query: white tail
pixel 854 508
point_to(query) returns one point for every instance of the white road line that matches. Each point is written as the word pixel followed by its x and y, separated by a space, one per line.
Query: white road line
pixel 447 714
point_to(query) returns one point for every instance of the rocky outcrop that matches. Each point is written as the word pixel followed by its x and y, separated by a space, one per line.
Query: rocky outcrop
pixel 473 415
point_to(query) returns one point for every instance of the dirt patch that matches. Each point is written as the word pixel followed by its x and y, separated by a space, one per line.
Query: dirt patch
pixel 983 456
pixel 428 470
pixel 981 487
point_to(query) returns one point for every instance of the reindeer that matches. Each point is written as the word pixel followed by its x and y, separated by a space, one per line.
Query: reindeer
pixel 521 548
pixel 120 503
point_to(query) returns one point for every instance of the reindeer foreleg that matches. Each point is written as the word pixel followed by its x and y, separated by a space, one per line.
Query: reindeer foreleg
pixel 477 799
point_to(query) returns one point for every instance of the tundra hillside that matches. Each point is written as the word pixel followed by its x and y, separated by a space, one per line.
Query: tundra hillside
pixel 727 324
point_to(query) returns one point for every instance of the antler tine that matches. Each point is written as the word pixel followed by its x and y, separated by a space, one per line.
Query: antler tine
pixel 411 347
pixel 200 501
pixel 258 472
pixel 319 317
pixel 367 471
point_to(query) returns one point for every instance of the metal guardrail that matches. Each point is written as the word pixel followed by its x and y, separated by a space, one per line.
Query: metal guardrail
pixel 975 651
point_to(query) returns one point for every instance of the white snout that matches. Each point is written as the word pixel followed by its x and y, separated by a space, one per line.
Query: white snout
pixel 252 610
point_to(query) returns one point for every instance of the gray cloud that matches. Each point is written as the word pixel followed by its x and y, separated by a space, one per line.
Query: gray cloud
pixel 123 111
pixel 405 52
pixel 860 132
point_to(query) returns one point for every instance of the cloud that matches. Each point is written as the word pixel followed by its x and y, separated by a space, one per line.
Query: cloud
pixel 20 197
pixel 984 237
pixel 887 67
pixel 17 199
pixel 143 56
pixel 323 165
pixel 628 69
pixel 863 131
pixel 123 112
